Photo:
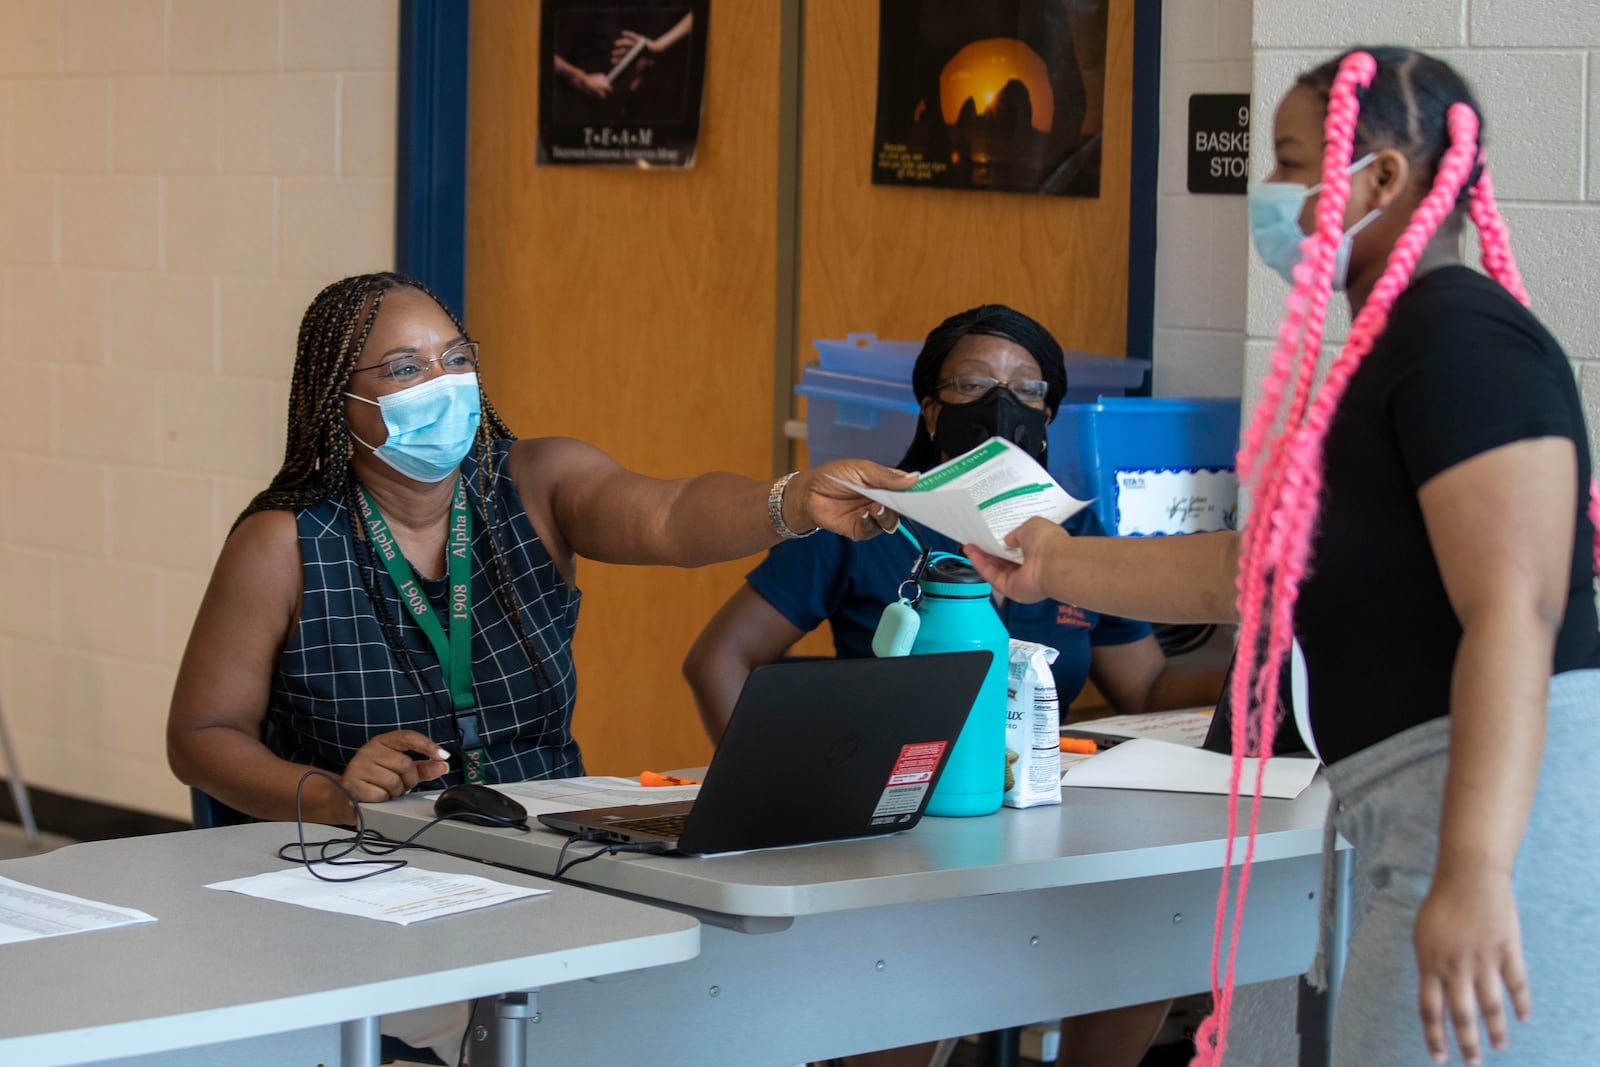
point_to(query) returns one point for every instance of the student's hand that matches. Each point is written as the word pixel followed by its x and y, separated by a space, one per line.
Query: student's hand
pixel 1038 539
pixel 1469 946
pixel 384 767
pixel 813 498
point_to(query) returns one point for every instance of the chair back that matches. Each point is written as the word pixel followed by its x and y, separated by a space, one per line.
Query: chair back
pixel 210 812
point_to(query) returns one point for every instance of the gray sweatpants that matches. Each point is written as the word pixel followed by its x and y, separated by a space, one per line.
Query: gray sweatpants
pixel 1387 802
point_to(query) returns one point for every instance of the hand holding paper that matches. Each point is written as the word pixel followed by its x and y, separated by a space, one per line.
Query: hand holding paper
pixel 980 496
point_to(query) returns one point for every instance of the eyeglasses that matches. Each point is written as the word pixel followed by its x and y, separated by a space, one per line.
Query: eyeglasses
pixel 1030 391
pixel 409 370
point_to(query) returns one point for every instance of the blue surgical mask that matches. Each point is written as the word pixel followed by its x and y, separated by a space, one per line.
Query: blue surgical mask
pixel 431 426
pixel 1275 226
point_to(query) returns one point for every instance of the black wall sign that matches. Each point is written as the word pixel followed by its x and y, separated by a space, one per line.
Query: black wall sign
pixel 1219 142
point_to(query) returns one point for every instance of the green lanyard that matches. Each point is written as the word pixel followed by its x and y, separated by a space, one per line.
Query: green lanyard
pixel 455 648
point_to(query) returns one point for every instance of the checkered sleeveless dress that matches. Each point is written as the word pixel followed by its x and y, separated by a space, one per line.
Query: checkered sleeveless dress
pixel 338 682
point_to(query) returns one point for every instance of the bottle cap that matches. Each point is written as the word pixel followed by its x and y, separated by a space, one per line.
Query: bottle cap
pixel 953 575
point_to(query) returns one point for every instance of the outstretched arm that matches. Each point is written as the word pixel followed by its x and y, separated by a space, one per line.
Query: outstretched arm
pixel 594 507
pixel 1500 525
pixel 629 39
pixel 593 83
pixel 1188 578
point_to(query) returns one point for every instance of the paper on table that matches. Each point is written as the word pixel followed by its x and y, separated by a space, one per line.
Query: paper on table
pixel 980 496
pixel 550 795
pixel 28 912
pixel 404 896
pixel 1180 727
pixel 1146 764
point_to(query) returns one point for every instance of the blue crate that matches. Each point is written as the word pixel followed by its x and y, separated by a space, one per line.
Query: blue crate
pixel 859 402
pixel 1152 465
pixel 864 356
pixel 850 417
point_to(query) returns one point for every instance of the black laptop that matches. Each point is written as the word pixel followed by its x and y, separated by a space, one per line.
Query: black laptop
pixel 816 750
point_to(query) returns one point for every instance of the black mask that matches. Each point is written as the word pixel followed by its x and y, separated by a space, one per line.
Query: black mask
pixel 998 413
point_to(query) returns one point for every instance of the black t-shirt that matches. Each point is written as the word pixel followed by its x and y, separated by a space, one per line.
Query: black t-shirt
pixel 1461 369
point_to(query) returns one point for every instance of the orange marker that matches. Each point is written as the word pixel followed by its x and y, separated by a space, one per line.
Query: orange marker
pixel 1081 745
pixel 654 778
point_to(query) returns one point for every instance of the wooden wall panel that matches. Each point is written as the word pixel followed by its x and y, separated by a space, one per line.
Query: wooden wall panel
pixel 634 310
pixel 897 260
pixel 637 310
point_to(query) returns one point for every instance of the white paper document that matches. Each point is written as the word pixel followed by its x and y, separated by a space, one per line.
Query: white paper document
pixel 550 795
pixel 405 895
pixel 1179 727
pixel 28 912
pixel 980 496
pixel 1146 764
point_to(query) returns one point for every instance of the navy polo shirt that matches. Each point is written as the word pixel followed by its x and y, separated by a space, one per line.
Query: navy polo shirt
pixel 847 583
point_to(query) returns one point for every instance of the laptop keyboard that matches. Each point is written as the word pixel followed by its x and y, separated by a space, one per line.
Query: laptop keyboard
pixel 660 825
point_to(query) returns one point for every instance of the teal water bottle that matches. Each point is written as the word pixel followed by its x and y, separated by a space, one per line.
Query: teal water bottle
pixel 956 614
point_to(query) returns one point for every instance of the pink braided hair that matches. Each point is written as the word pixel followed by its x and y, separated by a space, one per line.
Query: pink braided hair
pixel 1276 545
pixel 1254 732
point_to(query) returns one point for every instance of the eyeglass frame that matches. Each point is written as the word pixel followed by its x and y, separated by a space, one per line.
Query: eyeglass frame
pixel 999 383
pixel 428 362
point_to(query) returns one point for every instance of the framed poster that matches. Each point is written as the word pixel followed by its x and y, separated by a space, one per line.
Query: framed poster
pixel 622 81
pixel 1005 95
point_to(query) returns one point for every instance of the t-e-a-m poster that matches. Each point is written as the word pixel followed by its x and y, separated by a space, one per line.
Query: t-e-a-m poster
pixel 622 81
pixel 1004 95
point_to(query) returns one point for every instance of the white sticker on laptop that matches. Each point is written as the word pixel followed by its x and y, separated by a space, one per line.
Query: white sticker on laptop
pixel 909 781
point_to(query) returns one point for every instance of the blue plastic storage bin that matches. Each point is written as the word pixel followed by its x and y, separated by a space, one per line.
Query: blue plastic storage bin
pixel 1152 465
pixel 863 355
pixel 848 417
pixel 859 402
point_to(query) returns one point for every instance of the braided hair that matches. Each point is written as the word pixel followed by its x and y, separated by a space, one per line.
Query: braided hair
pixel 317 448
pixel 992 320
pixel 1376 98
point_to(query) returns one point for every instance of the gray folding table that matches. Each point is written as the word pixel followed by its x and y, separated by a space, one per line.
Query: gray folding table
pixel 956 926
pixel 225 979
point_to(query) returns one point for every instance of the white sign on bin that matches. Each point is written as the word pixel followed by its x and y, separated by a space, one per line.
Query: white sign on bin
pixel 1176 500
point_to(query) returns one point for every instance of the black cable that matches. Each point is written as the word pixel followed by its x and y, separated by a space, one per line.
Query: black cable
pixel 333 850
pixel 472 1016
pixel 608 849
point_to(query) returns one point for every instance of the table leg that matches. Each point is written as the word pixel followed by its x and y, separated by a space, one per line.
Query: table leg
pixel 1001 1048
pixel 359 1043
pixel 1316 1009
pixel 515 1011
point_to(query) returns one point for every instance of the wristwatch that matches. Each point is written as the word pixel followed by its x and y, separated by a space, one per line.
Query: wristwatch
pixel 775 510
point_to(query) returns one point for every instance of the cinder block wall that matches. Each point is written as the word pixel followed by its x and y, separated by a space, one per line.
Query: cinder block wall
pixel 177 180
pixel 1533 64
pixel 1202 240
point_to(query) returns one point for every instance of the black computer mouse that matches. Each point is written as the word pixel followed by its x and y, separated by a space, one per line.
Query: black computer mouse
pixel 480 804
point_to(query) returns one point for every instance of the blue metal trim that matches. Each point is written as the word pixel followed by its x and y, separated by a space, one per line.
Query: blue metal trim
pixel 430 231
pixel 1144 183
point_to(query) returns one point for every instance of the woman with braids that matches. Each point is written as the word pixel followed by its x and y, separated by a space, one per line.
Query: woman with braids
pixel 397 607
pixel 1424 523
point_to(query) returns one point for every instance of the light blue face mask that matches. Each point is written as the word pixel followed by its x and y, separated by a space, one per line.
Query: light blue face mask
pixel 1275 226
pixel 431 426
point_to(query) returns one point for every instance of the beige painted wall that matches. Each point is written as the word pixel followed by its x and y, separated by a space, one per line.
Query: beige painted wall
pixel 1535 66
pixel 177 179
